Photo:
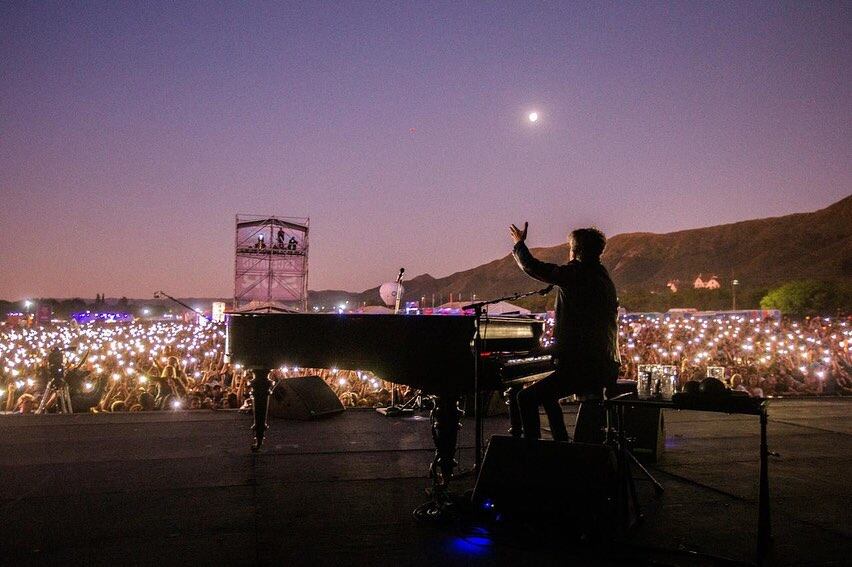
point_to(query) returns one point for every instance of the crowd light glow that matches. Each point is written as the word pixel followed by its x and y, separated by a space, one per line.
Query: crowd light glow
pixel 810 358
pixel 796 358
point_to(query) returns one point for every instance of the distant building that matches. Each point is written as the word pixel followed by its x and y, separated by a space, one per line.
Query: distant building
pixel 673 285
pixel 711 283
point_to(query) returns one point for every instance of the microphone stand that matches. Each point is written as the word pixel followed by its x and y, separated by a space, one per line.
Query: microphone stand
pixel 398 291
pixel 394 410
pixel 478 309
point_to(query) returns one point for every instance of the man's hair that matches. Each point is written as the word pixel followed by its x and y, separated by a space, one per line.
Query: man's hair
pixel 588 243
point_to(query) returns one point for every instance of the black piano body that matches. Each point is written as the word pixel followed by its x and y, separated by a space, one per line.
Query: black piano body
pixel 432 353
pixel 428 352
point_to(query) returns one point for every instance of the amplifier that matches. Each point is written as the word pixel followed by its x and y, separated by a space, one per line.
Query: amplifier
pixel 551 482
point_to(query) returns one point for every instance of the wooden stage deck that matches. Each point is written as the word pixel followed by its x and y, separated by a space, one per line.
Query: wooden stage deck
pixel 183 488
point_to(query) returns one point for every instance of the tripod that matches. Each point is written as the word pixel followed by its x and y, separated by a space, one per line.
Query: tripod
pixel 626 484
pixel 59 386
pixel 417 402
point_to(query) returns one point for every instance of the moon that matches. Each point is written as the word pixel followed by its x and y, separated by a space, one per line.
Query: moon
pixel 533 116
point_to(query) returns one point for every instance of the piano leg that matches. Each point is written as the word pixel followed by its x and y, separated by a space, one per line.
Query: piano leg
pixel 516 428
pixel 261 386
pixel 445 432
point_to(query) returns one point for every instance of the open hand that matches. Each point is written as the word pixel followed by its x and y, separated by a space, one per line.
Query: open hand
pixel 517 234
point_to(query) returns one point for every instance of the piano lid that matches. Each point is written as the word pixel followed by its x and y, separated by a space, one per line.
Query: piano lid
pixel 430 352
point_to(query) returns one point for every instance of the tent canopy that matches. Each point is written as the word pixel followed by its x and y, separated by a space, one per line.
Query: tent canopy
pixel 499 308
pixel 264 307
pixel 374 310
pixel 273 222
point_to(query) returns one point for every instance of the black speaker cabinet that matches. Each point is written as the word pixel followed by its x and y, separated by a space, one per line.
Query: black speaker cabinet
pixel 549 482
pixel 493 404
pixel 303 397
pixel 647 428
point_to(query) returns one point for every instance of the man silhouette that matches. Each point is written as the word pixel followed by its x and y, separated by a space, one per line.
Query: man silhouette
pixel 585 332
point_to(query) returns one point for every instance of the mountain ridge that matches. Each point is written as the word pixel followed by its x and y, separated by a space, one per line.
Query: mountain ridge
pixel 758 252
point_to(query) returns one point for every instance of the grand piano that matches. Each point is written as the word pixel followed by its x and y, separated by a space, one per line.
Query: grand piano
pixel 434 354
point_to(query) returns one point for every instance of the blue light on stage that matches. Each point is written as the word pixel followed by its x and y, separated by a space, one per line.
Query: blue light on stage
pixel 471 545
pixel 477 541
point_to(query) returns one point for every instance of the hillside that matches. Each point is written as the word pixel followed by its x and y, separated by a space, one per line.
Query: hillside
pixel 759 253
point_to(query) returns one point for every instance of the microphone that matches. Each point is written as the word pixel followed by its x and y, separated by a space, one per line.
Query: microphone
pixel 545 290
pixel 399 277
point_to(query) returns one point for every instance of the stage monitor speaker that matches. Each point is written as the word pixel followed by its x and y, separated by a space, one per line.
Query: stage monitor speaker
pixel 303 398
pixel 647 428
pixel 492 402
pixel 549 482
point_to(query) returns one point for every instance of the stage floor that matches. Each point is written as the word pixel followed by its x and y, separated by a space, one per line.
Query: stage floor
pixel 178 488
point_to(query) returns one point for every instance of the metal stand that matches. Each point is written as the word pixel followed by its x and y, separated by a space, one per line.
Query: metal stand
pixel 729 405
pixel 626 484
pixel 658 488
pixel 63 396
pixel 394 410
pixel 764 521
pixel 446 424
pixel 416 403
pixel 261 387
pixel 478 309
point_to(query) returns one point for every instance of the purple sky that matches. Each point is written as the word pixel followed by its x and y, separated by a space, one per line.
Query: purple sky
pixel 130 135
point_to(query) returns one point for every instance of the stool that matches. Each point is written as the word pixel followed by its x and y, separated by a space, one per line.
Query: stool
pixel 592 416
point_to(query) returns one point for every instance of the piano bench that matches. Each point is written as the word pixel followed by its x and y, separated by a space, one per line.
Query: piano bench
pixel 591 415
pixel 622 387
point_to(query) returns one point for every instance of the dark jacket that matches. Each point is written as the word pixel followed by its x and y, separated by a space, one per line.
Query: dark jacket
pixel 586 326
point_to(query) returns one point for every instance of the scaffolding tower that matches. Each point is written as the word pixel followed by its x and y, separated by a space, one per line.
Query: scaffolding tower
pixel 271 265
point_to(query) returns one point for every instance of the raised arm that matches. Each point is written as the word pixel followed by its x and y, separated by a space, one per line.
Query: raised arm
pixel 542 271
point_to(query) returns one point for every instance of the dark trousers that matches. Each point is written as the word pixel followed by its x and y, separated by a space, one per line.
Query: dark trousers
pixel 568 379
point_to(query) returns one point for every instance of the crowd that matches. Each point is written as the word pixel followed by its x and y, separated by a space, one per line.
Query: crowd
pixel 809 356
pixel 121 367
pixel 176 366
pixel 145 366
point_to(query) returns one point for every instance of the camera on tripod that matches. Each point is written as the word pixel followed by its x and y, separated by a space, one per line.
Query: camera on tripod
pixel 56 382
pixel 56 364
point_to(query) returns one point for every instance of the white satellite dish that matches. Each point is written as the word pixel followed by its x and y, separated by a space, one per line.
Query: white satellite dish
pixel 388 292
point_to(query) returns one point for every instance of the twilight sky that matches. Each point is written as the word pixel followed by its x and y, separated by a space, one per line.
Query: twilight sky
pixel 131 134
